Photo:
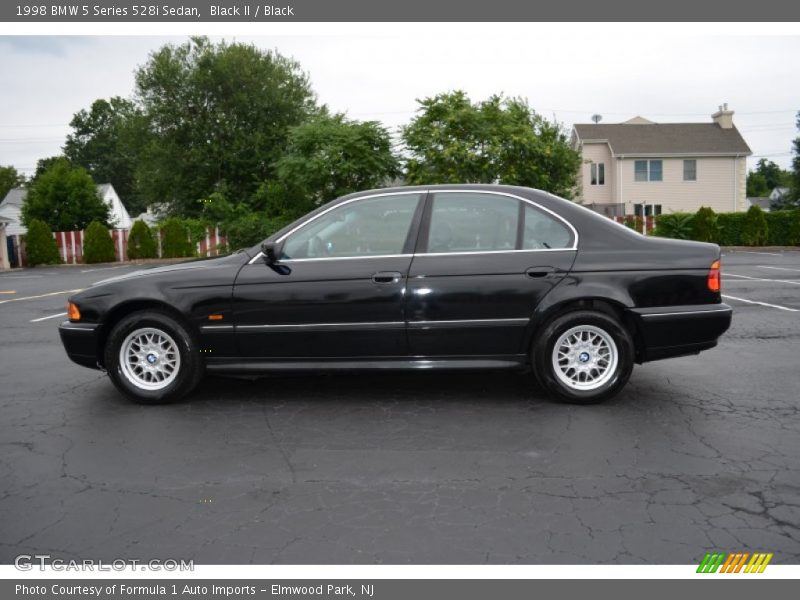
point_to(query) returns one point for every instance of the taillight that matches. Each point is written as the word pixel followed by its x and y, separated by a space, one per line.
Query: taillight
pixel 73 313
pixel 714 280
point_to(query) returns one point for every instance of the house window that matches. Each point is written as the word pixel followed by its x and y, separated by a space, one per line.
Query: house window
pixel 598 174
pixel 649 209
pixel 641 170
pixel 690 170
pixel 648 170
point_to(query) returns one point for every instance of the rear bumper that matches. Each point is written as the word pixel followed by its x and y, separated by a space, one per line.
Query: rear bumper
pixel 670 331
pixel 80 342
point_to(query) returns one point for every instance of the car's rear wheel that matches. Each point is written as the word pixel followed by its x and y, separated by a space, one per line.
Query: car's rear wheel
pixel 583 356
pixel 152 358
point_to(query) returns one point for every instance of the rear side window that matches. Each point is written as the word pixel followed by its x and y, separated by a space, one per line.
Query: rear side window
pixel 473 222
pixel 543 231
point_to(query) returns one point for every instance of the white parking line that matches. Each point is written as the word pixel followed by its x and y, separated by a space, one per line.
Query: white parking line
pixel 778 306
pixel 778 268
pixel 2 277
pixel 102 269
pixel 40 296
pixel 48 317
pixel 789 281
pixel 753 252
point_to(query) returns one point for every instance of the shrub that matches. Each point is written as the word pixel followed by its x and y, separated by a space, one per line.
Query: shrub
pixel 141 243
pixel 250 230
pixel 730 229
pixel 40 246
pixel 176 243
pixel 678 226
pixel 98 246
pixel 794 227
pixel 754 228
pixel 706 225
pixel 779 228
pixel 783 227
pixel 632 222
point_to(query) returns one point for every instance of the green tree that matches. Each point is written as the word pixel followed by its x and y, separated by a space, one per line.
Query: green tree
pixel 757 185
pixel 65 197
pixel 10 178
pixel 40 246
pixel 98 246
pixel 773 175
pixel 107 140
pixel 454 140
pixel 219 115
pixel 328 157
pixel 141 243
pixel 43 164
pixel 754 229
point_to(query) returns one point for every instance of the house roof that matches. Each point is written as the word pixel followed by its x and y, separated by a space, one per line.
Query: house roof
pixel 760 201
pixel 665 138
pixel 14 197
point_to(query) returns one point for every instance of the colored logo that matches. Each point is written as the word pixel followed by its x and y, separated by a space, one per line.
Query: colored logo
pixel 735 562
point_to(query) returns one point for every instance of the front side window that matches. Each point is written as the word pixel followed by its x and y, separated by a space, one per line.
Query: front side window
pixel 648 170
pixel 598 174
pixel 690 170
pixel 473 222
pixel 372 227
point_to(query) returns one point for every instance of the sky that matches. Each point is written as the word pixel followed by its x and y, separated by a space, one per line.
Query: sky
pixel 565 76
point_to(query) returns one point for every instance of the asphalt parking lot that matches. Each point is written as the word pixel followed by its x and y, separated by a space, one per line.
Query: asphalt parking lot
pixel 697 454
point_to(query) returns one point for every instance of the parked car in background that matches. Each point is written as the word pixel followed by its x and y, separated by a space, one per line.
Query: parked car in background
pixel 436 277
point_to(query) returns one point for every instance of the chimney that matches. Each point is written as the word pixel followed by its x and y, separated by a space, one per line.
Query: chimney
pixel 723 117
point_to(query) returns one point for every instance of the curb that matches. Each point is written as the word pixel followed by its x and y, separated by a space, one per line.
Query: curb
pixel 133 263
pixel 761 248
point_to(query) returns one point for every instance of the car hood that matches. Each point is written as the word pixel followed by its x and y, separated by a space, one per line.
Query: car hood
pixel 199 263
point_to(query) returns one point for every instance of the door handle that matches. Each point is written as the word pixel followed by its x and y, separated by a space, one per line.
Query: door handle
pixel 387 277
pixel 540 272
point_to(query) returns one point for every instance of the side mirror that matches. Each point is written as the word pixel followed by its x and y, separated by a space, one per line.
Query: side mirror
pixel 271 252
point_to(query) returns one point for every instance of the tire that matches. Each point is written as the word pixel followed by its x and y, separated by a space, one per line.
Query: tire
pixel 152 358
pixel 593 361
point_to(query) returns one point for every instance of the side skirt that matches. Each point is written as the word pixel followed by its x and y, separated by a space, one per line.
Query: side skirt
pixel 237 365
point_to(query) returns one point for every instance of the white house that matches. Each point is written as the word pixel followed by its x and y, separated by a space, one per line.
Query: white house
pixel 779 193
pixel 4 260
pixel 640 166
pixel 11 206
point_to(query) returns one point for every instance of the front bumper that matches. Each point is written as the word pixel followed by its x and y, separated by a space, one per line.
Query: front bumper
pixel 81 342
pixel 669 331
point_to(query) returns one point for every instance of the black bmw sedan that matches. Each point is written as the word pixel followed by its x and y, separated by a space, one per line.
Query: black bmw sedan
pixel 437 277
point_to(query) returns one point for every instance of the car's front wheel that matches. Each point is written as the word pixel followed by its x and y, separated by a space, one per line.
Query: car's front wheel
pixel 152 358
pixel 583 356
